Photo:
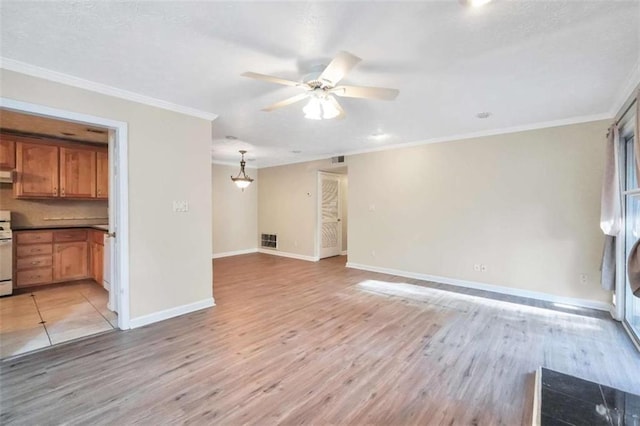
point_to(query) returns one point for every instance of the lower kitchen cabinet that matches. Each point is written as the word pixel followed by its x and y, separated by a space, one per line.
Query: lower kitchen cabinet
pixel 97 262
pixel 70 260
pixel 51 256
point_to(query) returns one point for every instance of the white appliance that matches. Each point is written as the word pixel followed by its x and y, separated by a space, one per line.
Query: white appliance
pixel 6 254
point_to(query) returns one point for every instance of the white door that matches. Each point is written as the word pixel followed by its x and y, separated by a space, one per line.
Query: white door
pixel 330 232
pixel 110 246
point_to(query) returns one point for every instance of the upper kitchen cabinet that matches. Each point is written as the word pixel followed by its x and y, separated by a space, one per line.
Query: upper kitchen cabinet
pixel 77 173
pixel 48 168
pixel 37 171
pixel 102 174
pixel 7 153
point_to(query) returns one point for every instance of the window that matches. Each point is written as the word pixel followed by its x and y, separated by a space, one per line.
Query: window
pixel 631 232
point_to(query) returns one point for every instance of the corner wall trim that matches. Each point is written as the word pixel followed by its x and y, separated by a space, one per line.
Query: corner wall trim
pixel 70 80
pixel 233 253
pixel 583 303
pixel 289 255
pixel 171 313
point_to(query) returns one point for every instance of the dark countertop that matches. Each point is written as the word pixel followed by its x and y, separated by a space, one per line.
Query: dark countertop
pixel 45 227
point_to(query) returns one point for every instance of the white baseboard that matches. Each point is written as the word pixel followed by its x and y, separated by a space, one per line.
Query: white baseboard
pixel 233 253
pixel 343 253
pixel 171 312
pixel 289 255
pixel 583 303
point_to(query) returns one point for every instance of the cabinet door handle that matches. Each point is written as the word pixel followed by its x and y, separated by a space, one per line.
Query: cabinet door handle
pixel 99 192
pixel 62 191
pixel 34 263
pixel 55 190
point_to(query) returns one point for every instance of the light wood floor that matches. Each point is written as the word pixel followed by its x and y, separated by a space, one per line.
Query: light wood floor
pixel 298 342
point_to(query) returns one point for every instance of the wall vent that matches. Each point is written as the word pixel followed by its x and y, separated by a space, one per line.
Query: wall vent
pixel 269 241
pixel 336 160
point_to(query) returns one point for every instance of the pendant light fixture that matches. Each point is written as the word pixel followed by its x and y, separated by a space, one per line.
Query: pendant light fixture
pixel 242 180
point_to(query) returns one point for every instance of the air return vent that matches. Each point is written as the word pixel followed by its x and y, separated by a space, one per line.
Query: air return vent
pixel 269 241
pixel 339 159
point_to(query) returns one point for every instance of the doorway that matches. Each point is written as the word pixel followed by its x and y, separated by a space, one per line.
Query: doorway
pixel 115 248
pixel 332 223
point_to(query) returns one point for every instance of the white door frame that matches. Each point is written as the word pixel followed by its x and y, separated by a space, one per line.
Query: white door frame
pixel 319 211
pixel 118 198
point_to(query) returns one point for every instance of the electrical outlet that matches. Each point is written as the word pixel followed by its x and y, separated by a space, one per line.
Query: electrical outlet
pixel 584 278
pixel 372 207
pixel 483 268
pixel 180 206
pixel 476 267
pixel 373 253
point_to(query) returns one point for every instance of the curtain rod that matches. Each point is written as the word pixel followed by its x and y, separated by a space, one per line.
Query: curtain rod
pixel 633 102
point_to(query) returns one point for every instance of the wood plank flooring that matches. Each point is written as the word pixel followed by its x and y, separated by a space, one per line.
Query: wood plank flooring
pixel 297 342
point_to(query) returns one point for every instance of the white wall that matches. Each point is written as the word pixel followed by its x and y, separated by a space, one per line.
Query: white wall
pixel 235 212
pixel 169 159
pixel 525 204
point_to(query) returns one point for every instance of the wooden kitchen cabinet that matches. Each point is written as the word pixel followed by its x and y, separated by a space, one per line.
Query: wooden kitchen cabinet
pixel 97 262
pixel 77 173
pixel 33 258
pixel 96 253
pixel 47 168
pixel 51 256
pixel 36 171
pixel 70 260
pixel 7 153
pixel 102 175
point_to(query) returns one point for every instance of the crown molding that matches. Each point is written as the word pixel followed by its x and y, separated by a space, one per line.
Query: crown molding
pixel 453 138
pixel 69 80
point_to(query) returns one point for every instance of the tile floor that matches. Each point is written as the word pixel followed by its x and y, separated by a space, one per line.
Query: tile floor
pixel 49 316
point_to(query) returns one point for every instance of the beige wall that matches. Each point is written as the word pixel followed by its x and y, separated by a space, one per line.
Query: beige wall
pixel 287 199
pixel 235 213
pixel 525 204
pixel 170 253
pixel 40 212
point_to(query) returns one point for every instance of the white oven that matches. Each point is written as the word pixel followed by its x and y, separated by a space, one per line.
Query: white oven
pixel 6 254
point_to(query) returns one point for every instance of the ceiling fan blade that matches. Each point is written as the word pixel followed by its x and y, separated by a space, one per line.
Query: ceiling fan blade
pixel 380 93
pixel 339 67
pixel 288 101
pixel 271 79
pixel 335 103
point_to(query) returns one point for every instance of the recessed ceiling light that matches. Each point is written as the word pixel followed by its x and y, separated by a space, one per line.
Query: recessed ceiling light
pixel 295 151
pixel 483 115
pixel 231 138
pixel 474 3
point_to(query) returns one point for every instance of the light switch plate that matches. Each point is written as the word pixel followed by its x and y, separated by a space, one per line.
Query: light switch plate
pixel 181 206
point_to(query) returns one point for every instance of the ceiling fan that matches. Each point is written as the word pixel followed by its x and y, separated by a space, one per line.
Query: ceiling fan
pixel 319 88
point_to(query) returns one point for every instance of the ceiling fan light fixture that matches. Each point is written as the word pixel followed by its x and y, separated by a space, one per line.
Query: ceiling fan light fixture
pixel 320 109
pixel 475 3
pixel 313 109
pixel 242 180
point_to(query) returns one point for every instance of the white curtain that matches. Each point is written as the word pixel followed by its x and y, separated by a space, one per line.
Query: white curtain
pixel 610 208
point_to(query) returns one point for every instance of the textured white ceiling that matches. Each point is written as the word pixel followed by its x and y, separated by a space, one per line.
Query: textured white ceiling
pixel 527 62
